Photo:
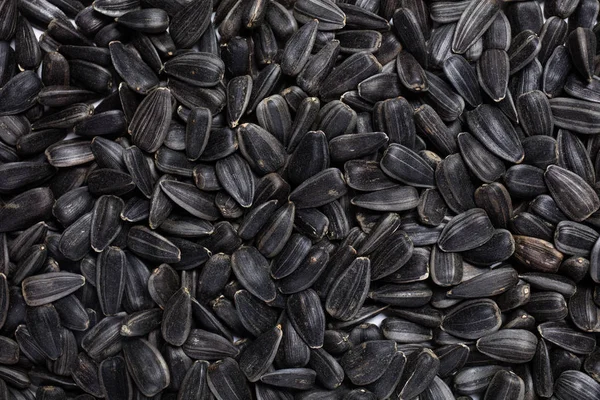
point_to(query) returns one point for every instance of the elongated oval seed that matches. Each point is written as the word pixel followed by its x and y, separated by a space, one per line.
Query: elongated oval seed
pixel 47 288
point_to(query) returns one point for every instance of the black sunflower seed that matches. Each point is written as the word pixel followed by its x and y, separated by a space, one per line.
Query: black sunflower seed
pixel 573 384
pixel 509 345
pixel 418 374
pixel 48 288
pixel 328 14
pixel 298 48
pixel 492 71
pixel 494 130
pixel 252 269
pixel 582 47
pixel 561 335
pixel 152 246
pixel 307 318
pixel 226 380
pixel 190 22
pixel 523 49
pixel 483 164
pixel 553 33
pixel 474 21
pixel 576 199
pixel 110 279
pixel 129 65
pixel 147 367
pixel 466 231
pixel 149 20
pixel 410 34
pixel 191 199
pixel 258 356
pixel 349 74
pixel 151 120
pixel 22 90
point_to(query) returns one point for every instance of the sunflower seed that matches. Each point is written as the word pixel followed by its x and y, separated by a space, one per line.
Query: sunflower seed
pixel 150 123
pixel 576 384
pixel 409 33
pixel 576 199
pixel 493 71
pixel 47 288
pixel 138 75
pixel 463 78
pixel 349 74
pixel 252 269
pixel 190 22
pixel 494 131
pixel 420 370
pixel 147 367
pixel 523 49
pixel 553 33
pixel 505 384
pixel 582 47
pixel 474 21
pixel 559 334
pixel 509 345
pixel 258 356
pixel 328 14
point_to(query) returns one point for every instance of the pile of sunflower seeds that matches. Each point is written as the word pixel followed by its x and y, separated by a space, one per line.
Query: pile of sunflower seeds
pixel 299 199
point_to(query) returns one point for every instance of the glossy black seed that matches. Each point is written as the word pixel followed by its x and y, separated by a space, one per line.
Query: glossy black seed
pixel 510 345
pixel 474 21
pixel 494 130
pixel 351 202
pixel 47 288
